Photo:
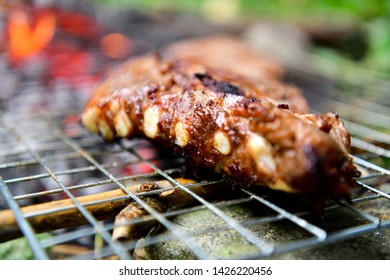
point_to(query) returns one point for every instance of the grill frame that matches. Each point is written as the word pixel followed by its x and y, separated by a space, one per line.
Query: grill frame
pixel 320 236
pixel 51 134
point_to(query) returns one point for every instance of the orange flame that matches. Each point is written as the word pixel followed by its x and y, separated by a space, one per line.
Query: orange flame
pixel 26 40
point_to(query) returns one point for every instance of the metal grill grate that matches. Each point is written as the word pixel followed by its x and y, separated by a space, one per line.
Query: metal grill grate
pixel 48 159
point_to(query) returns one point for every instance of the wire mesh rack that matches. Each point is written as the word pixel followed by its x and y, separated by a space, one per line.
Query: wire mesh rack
pixel 61 187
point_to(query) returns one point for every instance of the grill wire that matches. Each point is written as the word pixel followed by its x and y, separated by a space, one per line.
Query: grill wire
pixel 46 156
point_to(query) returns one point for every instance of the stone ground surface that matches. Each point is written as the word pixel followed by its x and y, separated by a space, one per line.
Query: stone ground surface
pixel 228 243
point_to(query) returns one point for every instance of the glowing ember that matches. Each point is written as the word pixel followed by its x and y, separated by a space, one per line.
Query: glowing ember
pixel 116 45
pixel 25 38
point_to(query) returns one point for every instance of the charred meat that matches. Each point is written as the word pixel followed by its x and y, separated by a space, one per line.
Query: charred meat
pixel 227 122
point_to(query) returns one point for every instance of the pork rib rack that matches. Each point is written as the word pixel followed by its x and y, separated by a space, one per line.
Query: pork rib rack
pixel 227 122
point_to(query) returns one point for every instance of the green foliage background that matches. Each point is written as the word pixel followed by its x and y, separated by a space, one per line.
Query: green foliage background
pixel 372 15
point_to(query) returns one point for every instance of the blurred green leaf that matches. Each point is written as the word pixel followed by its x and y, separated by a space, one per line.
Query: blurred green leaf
pixel 18 249
pixel 379 42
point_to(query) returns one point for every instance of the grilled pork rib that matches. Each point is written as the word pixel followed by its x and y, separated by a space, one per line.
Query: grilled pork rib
pixel 227 125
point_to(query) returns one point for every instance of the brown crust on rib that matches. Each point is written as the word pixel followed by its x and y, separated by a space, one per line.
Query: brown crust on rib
pixel 225 52
pixel 226 58
pixel 212 117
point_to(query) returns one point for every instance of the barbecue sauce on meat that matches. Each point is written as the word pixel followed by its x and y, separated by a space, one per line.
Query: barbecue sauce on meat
pixel 225 122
